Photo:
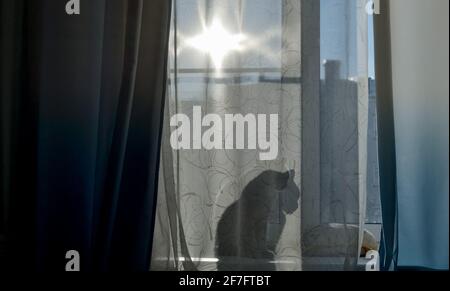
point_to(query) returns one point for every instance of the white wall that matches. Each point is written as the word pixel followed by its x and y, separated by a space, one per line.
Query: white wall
pixel 420 54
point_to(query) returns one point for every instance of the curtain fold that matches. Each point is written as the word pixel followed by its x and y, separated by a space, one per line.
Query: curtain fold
pixel 19 86
pixel 84 125
pixel 386 137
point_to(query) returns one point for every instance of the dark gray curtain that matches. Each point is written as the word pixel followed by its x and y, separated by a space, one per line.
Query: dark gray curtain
pixel 386 140
pixel 82 103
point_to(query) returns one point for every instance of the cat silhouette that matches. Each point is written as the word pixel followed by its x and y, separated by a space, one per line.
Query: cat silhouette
pixel 250 228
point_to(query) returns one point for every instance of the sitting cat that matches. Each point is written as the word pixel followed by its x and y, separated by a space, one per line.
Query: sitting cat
pixel 250 228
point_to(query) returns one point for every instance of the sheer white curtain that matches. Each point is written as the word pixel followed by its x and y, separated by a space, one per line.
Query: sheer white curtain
pixel 230 210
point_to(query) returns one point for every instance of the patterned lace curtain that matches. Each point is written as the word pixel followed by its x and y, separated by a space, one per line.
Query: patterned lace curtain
pixel 229 209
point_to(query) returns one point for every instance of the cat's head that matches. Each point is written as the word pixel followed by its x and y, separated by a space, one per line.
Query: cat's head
pixel 290 195
pixel 283 185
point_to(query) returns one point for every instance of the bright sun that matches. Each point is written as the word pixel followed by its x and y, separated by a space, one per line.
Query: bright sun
pixel 217 42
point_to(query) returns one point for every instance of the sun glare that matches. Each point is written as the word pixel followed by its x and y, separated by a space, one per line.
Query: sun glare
pixel 217 42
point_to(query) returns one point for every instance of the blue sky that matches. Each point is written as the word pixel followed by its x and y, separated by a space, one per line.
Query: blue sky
pixel 338 25
pixel 337 42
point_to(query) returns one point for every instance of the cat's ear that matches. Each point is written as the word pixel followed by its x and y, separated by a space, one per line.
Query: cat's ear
pixel 291 174
pixel 282 180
